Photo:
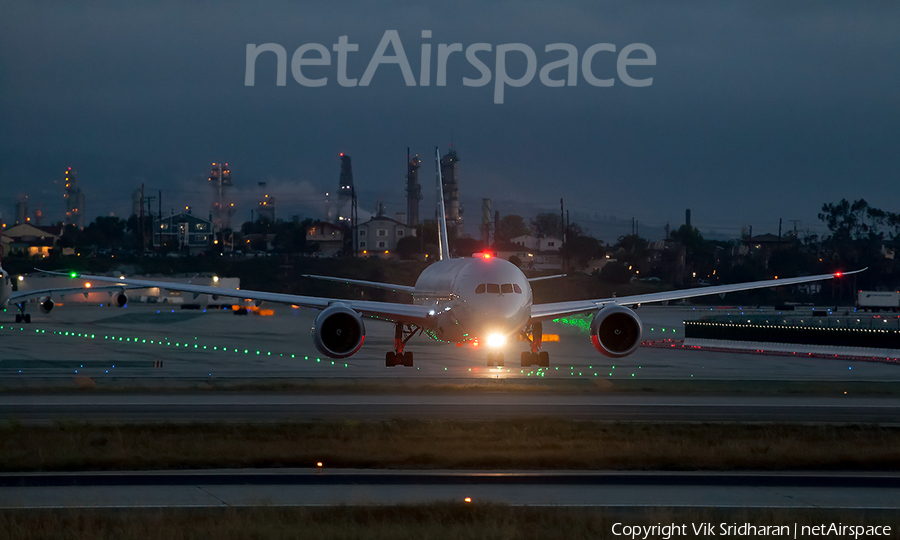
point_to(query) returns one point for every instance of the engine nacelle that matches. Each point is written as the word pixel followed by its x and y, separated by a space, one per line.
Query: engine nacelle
pixel 46 305
pixel 121 299
pixel 616 331
pixel 338 331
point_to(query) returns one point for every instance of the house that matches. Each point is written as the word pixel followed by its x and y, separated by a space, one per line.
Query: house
pixel 185 231
pixel 549 243
pixel 328 236
pixel 379 236
pixel 540 253
pixel 26 239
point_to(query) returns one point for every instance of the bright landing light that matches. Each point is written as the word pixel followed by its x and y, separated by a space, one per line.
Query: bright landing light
pixel 496 340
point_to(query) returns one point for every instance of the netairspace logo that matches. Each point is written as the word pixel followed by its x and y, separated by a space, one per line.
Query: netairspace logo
pixel 554 74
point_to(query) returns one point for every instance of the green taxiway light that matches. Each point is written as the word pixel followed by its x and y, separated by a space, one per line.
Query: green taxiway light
pixel 73 275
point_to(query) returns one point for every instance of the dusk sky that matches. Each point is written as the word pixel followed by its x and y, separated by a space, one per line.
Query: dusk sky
pixel 757 110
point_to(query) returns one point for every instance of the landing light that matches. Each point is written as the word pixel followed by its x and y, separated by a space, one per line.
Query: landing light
pixel 496 340
pixel 21 278
pixel 87 285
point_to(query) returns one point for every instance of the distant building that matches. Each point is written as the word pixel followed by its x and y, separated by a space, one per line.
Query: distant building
pixel 328 236
pixel 74 199
pixel 265 209
pixel 542 253
pixel 26 239
pixel 345 190
pixel 379 236
pixel 184 230
pixel 222 208
pixel 413 191
pixel 549 243
pixel 450 180
pixel 22 210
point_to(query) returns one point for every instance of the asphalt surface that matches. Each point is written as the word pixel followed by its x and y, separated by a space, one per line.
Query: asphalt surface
pixel 268 407
pixel 577 488
pixel 166 346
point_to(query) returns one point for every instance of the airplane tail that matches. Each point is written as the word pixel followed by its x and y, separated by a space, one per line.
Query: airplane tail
pixel 443 243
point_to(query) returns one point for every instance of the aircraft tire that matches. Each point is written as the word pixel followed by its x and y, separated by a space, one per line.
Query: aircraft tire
pixel 28 318
pixel 544 359
pixel 500 360
pixel 407 359
pixel 390 359
pixel 526 359
pixel 18 318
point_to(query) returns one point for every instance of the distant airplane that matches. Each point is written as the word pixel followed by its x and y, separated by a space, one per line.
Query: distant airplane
pixel 461 300
pixel 45 296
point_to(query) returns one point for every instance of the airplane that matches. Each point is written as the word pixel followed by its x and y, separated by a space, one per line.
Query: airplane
pixel 45 296
pixel 460 300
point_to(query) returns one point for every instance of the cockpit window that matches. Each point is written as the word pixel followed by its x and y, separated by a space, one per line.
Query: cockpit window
pixel 493 288
pixel 506 288
pixel 517 288
pixel 479 289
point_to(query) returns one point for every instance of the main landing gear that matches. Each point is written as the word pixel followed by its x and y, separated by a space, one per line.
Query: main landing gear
pixel 536 357
pixel 21 316
pixel 402 334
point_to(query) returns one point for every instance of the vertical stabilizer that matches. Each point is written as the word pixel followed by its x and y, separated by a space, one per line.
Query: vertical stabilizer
pixel 443 244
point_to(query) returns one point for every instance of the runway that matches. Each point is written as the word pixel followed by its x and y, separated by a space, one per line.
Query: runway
pixel 272 407
pixel 162 346
pixel 294 487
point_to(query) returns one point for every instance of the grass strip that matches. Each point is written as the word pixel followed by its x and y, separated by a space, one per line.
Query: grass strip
pixel 446 444
pixel 437 521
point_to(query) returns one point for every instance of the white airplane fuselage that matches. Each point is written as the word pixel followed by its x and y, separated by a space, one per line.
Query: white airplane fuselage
pixel 475 298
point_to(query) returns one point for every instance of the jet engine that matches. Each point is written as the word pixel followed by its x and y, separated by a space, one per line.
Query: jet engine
pixel 338 331
pixel 616 331
pixel 46 305
pixel 121 299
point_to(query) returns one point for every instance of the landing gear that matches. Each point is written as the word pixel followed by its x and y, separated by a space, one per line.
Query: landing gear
pixel 392 359
pixel 541 359
pixel 21 316
pixel 496 358
pixel 402 334
pixel 536 357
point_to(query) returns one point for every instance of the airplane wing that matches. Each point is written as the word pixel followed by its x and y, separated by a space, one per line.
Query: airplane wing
pixel 362 283
pixel 17 297
pixel 543 312
pixel 387 311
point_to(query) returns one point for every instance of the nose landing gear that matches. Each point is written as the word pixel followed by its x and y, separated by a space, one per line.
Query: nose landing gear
pixel 496 358
pixel 536 357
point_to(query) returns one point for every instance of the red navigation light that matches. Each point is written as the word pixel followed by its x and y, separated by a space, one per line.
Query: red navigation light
pixel 838 274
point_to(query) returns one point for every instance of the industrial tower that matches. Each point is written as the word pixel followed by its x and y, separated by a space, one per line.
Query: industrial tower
pixel 450 178
pixel 413 190
pixel 220 180
pixel 74 200
pixel 345 190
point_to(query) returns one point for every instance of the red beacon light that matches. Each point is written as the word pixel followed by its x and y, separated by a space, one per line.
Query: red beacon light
pixel 484 255
pixel 838 274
